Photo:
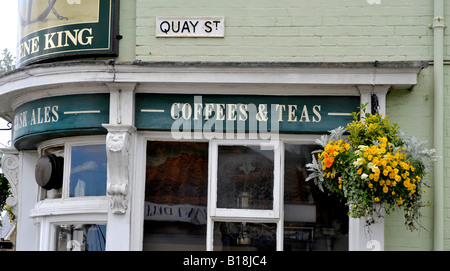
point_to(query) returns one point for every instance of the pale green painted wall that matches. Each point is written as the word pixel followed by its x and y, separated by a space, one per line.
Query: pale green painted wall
pixel 313 31
pixel 413 111
pixel 292 30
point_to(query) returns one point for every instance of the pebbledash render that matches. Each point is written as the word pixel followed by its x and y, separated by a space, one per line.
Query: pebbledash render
pixel 155 125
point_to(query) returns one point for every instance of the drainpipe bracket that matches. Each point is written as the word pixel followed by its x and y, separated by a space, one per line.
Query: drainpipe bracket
pixel 438 22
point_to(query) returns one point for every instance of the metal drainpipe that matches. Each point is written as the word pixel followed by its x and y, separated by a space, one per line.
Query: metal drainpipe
pixel 438 28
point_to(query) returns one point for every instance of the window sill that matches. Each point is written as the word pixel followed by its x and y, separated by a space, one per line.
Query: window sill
pixel 79 205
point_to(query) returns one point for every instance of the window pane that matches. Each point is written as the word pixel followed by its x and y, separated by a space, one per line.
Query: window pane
pixel 176 194
pixel 313 220
pixel 88 171
pixel 245 177
pixel 88 237
pixel 243 236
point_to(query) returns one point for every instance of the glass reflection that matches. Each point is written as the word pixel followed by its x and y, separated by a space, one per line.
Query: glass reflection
pixel 88 171
pixel 245 177
pixel 313 220
pixel 176 194
pixel 244 236
pixel 80 237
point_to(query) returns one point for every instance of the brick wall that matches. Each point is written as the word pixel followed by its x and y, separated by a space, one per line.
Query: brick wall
pixel 288 30
pixel 413 111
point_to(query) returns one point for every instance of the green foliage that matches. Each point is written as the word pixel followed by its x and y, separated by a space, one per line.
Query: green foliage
pixel 370 128
pixel 6 65
pixel 5 192
pixel 376 164
pixel 6 62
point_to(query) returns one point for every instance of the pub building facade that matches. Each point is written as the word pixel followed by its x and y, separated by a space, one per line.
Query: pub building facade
pixel 144 125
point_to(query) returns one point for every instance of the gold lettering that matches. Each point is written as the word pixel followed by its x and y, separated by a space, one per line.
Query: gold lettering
pixel 49 44
pixel 243 110
pixel 291 113
pixel 305 114
pixel 55 117
pixel 47 114
pixel 231 111
pixel 88 39
pixel 208 111
pixel 219 114
pixel 73 38
pixel 28 47
pixel 198 108
pixel 33 118
pixel 172 111
pixel 280 112
pixel 68 37
pixel 40 120
pixel 316 111
pixel 35 45
pixel 186 111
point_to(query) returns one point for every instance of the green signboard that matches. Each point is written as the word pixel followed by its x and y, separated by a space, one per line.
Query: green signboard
pixel 59 116
pixel 65 28
pixel 243 113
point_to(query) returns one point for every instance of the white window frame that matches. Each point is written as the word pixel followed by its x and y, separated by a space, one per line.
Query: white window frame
pixel 53 222
pixel 67 144
pixel 216 212
pixel 50 212
pixel 244 215
pixel 68 162
pixel 358 238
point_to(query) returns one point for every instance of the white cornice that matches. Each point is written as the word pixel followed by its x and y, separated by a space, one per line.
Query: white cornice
pixel 225 78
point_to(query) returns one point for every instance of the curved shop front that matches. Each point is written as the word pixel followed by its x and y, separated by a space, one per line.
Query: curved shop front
pixel 183 156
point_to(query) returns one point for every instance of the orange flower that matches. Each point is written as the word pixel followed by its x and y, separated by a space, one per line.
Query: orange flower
pixel 328 160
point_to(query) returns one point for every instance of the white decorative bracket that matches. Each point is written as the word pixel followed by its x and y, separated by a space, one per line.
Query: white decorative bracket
pixel 10 167
pixel 118 143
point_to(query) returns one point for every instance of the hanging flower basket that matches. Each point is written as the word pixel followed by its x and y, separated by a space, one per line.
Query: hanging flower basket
pixel 371 163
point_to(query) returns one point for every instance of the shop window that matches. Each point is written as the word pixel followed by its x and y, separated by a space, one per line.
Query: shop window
pixel 235 236
pixel 88 171
pixel 245 196
pixel 80 237
pixel 245 177
pixel 313 220
pixel 176 196
pixel 71 170
pixel 237 195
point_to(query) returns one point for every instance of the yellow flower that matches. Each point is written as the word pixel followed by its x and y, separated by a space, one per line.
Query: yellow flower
pixel 377 199
pixel 385 189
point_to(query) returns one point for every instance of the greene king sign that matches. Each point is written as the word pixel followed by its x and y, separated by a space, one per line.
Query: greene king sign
pixel 64 28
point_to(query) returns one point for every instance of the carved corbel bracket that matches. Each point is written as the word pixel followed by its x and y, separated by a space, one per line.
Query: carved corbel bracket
pixel 10 167
pixel 118 142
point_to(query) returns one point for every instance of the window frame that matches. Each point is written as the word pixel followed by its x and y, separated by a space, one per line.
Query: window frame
pixel 357 239
pixel 67 144
pixel 234 213
pixel 216 214
pixel 52 222
pixel 68 164
pixel 49 212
